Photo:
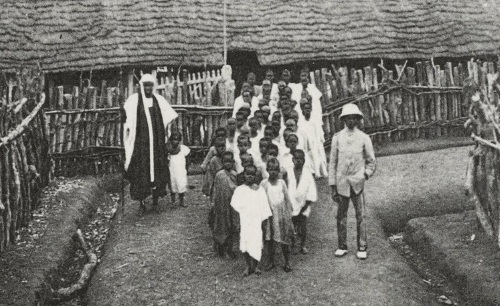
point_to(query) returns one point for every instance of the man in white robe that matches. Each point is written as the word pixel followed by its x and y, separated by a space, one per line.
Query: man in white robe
pixel 145 132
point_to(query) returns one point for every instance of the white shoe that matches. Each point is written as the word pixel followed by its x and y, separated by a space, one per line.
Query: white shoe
pixel 362 254
pixel 340 252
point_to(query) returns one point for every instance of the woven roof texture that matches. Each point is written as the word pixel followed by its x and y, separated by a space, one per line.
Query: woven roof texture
pixel 84 34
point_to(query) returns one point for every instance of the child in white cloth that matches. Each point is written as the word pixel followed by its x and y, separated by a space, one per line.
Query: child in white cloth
pixel 302 192
pixel 250 201
pixel 177 154
pixel 280 227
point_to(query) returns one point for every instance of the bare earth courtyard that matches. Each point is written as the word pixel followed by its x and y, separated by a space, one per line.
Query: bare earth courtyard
pixel 167 258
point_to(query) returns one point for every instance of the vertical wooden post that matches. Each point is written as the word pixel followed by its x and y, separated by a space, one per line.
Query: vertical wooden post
pixel 185 89
pixel 103 94
pixel 437 98
pixel 51 101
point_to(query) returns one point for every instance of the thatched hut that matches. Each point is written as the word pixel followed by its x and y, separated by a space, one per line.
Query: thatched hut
pixel 68 35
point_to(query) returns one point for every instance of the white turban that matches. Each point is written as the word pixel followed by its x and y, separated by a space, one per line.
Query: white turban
pixel 148 78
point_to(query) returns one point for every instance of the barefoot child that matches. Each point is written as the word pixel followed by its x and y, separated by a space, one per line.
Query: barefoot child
pixel 302 192
pixel 250 201
pixel 224 225
pixel 177 154
pixel 280 226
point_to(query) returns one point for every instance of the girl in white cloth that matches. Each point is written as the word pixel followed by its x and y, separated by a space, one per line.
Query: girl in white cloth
pixel 279 229
pixel 177 153
pixel 250 201
pixel 302 192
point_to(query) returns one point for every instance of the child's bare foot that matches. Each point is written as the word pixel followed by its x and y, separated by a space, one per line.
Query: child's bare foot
pixel 304 250
pixel 287 268
pixel 257 271
pixel 247 272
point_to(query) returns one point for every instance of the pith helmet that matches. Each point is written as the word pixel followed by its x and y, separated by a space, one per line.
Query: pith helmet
pixel 350 109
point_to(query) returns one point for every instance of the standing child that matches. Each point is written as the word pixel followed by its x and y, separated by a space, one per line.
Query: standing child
pixel 302 191
pixel 214 166
pixel 225 218
pixel 177 154
pixel 250 201
pixel 352 162
pixel 280 226
pixel 220 132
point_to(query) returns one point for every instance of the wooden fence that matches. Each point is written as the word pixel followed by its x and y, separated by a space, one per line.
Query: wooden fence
pixel 24 162
pixel 483 168
pixel 424 101
pixel 403 103
pixel 84 122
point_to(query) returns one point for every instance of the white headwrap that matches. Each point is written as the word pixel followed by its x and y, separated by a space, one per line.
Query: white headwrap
pixel 148 78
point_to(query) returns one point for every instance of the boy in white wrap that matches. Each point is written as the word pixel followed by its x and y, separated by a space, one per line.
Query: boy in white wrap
pixel 250 201
pixel 302 192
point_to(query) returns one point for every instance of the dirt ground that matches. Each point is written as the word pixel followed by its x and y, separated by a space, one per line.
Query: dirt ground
pixel 167 258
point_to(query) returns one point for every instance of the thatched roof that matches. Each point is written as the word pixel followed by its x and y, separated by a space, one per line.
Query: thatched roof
pixel 84 34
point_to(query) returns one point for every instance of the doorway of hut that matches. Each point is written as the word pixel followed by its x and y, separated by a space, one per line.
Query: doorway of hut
pixel 242 63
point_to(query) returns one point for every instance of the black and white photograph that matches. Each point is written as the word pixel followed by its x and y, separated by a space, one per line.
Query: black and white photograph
pixel 249 152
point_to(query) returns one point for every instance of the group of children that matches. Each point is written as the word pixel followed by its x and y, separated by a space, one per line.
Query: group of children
pixel 260 172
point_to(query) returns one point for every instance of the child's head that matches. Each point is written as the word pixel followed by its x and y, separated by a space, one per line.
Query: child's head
pixel 272 151
pixel 250 175
pixel 266 87
pixel 228 160
pixel 263 145
pixel 288 92
pixel 266 112
pixel 293 103
pixel 281 86
pixel 246 159
pixel 276 127
pixel 245 109
pixel 291 124
pixel 251 78
pixel 241 120
pixel 294 115
pixel 273 168
pixel 269 132
pixel 247 96
pixel 221 132
pixel 306 108
pixel 299 158
pixel 262 103
pixel 276 116
pixel 243 143
pixel 245 130
pixel 220 145
pixel 259 116
pixel 292 141
pixel 231 125
pixel 286 133
pixel 175 138
pixel 254 125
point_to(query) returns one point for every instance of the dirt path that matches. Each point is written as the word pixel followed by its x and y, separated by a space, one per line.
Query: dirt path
pixel 167 258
